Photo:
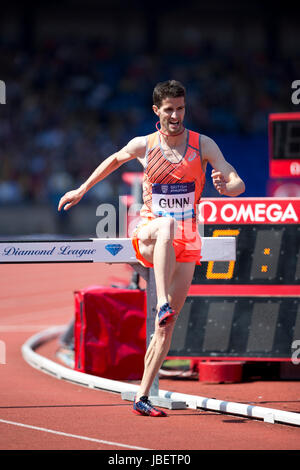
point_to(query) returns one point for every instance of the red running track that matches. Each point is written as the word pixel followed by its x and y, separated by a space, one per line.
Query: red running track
pixel 40 412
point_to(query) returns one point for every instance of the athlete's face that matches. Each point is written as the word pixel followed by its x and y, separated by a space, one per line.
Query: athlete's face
pixel 171 114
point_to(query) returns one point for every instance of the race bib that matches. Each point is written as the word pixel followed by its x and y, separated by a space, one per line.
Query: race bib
pixel 175 200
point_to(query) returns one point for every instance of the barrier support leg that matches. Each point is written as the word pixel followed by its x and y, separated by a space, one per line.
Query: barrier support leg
pixel 148 275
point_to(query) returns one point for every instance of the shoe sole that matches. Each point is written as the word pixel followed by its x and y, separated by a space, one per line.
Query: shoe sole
pixel 149 416
pixel 166 318
pixel 140 413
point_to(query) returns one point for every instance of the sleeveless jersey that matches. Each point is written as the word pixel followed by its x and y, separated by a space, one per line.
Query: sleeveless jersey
pixel 173 189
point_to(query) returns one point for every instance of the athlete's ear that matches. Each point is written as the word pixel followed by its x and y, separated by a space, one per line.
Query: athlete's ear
pixel 155 109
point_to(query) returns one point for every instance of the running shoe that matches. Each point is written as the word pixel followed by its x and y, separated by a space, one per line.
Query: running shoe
pixel 165 314
pixel 144 407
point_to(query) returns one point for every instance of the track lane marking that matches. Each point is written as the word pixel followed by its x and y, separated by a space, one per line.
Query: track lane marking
pixel 23 328
pixel 75 436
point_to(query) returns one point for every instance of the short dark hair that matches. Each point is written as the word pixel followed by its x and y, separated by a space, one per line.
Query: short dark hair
pixel 168 89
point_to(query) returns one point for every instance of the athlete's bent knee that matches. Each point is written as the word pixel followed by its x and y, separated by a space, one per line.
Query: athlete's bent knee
pixel 168 228
pixel 146 251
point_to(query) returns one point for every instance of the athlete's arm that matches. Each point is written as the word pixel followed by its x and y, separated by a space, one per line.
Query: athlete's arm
pixel 225 178
pixel 134 149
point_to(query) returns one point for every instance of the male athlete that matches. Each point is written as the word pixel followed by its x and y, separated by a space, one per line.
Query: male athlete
pixel 174 161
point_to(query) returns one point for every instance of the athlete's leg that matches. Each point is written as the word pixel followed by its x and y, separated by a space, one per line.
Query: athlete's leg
pixel 156 246
pixel 161 340
pixel 180 284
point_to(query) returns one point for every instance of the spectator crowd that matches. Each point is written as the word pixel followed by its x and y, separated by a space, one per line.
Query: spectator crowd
pixel 70 104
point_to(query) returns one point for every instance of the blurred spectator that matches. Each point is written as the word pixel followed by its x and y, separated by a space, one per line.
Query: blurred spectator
pixel 73 103
pixel 10 192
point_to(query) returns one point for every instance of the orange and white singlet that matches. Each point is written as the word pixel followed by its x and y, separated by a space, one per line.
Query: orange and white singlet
pixel 174 190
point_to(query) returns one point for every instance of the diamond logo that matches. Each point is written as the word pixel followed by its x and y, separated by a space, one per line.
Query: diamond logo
pixel 114 248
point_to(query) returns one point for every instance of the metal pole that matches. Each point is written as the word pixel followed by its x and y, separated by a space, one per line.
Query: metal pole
pixel 165 402
pixel 150 325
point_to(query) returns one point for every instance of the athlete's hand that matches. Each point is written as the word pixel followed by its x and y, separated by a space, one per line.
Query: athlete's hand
pixel 70 199
pixel 219 181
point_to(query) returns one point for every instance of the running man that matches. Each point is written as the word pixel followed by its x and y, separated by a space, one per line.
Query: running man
pixel 174 160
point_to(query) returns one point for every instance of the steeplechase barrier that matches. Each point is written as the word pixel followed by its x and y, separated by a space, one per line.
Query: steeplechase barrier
pixel 110 250
pixel 120 250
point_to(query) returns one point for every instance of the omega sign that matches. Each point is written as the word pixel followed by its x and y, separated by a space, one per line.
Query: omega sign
pixel 295 168
pixel 250 211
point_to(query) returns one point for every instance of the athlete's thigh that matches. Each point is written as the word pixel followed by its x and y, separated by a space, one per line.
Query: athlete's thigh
pixel 165 225
pixel 147 235
pixel 180 285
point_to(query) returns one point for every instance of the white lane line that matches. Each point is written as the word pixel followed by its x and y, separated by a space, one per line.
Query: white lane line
pixel 24 328
pixel 75 436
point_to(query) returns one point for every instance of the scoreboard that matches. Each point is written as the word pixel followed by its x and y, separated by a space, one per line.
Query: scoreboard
pixel 248 308
pixel 284 145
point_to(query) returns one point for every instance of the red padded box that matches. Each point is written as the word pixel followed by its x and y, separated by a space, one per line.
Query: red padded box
pixel 110 332
pixel 220 372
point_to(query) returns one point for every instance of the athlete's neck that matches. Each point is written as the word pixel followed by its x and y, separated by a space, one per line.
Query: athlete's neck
pixel 172 140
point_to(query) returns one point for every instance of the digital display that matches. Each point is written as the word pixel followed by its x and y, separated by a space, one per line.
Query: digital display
pixel 236 327
pixel 250 307
pixel 284 145
pixel 286 140
pixel 266 254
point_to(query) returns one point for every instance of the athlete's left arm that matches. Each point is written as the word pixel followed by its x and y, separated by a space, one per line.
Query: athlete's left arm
pixel 225 178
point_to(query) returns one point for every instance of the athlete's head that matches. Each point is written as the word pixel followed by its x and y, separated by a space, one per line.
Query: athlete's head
pixel 169 105
pixel 168 89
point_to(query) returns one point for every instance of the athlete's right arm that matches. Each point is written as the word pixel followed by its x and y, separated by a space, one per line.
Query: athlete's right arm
pixel 136 148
